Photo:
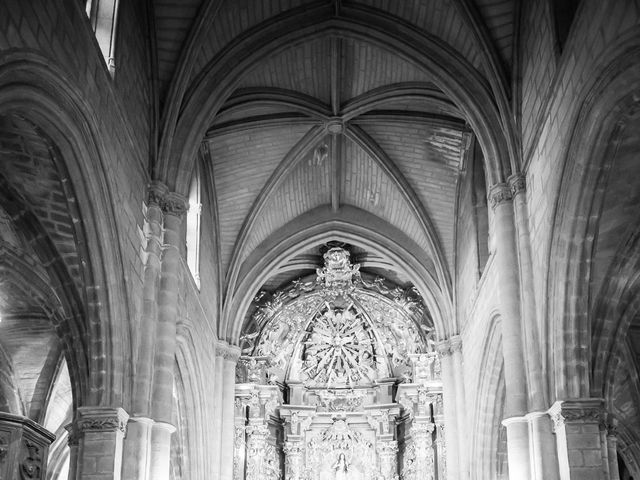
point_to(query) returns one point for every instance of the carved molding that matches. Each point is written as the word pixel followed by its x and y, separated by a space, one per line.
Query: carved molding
pixel 589 410
pixel 96 420
pixel 499 193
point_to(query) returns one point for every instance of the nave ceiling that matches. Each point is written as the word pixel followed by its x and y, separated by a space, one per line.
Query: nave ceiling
pixel 335 124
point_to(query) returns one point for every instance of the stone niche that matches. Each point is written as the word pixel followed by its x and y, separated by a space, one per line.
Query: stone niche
pixel 24 446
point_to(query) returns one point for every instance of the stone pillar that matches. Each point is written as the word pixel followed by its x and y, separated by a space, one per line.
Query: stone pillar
pixel 461 417
pixel 24 447
pixel 218 391
pixel 580 446
pixel 230 358
pixel 100 435
pixel 449 409
pixel 174 207
pixel 612 447
pixel 544 459
pixel 137 448
pixel 512 340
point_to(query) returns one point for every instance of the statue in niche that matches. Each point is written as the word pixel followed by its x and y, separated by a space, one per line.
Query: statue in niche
pixel 341 467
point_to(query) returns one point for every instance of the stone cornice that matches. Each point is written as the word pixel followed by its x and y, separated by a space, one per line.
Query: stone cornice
pixel 499 193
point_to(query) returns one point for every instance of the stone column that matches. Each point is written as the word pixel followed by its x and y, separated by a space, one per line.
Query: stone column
pixel 512 339
pixel 579 441
pixel 449 409
pixel 174 207
pixel 230 359
pixel 461 417
pixel 137 448
pixel 100 433
pixel 612 447
pixel 218 382
pixel 24 446
pixel 544 458
pixel 544 463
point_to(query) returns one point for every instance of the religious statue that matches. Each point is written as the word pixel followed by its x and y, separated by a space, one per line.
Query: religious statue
pixel 341 467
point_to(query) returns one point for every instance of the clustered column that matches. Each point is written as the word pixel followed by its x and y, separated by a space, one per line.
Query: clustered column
pixel 507 265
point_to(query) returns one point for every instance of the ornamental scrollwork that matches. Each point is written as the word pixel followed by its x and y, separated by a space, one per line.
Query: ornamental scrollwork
pixel 102 424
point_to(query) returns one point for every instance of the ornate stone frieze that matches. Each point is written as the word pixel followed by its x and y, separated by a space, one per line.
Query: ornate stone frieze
pixel 517 184
pixel 499 193
pixel 588 410
pixel 98 419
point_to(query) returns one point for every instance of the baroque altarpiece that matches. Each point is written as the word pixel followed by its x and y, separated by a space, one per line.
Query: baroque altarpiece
pixel 339 379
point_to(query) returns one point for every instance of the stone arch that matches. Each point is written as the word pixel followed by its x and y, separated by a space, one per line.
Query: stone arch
pixel 489 404
pixel 605 102
pixel 186 125
pixel 350 226
pixel 34 89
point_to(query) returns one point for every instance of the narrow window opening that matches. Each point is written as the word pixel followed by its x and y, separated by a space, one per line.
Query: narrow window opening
pixel 103 15
pixel 193 227
pixel 479 199
pixel 564 11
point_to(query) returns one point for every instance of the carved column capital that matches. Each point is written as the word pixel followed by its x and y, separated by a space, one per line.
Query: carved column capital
pixel 100 419
pixel 174 204
pixel 517 184
pixel 443 347
pixel 499 193
pixel 156 192
pixel 456 343
pixel 584 410
pixel 449 346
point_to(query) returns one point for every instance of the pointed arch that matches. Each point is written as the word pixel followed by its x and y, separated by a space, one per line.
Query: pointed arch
pixel 30 86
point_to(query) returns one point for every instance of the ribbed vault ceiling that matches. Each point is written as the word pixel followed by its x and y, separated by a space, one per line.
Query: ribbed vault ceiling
pixel 334 122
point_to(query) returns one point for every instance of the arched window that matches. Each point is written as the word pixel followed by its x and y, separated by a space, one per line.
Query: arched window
pixel 103 15
pixel 193 226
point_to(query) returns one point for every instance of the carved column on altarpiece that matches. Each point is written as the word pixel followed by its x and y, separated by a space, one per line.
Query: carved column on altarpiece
pixel 23 448
pixel 255 454
pixel 294 461
pixel 297 422
pixel 388 458
pixel 422 438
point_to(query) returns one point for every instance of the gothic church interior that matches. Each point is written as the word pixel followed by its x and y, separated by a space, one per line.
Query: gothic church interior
pixel 320 239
